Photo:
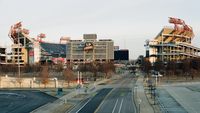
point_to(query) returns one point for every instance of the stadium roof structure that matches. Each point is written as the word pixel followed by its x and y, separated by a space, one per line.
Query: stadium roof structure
pixel 53 49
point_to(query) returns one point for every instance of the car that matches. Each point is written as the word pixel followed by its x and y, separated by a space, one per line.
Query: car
pixel 156 74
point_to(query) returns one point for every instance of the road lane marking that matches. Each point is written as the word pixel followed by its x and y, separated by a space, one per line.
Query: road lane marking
pixel 115 106
pixel 133 100
pixel 84 105
pixel 121 105
pixel 104 100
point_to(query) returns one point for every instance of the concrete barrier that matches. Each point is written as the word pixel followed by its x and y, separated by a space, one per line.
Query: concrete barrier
pixel 13 82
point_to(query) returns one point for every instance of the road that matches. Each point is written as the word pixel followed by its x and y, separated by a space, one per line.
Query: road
pixel 115 97
pixel 89 105
pixel 120 100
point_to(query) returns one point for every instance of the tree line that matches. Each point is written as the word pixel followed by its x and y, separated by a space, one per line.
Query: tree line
pixel 66 72
pixel 189 67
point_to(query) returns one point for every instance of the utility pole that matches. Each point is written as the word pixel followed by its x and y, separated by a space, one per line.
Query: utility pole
pixel 19 77
pixel 162 48
pixel 78 78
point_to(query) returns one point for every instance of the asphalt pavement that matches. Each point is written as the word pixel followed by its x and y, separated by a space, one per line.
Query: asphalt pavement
pixel 187 96
pixel 90 104
pixel 168 104
pixel 22 101
pixel 118 101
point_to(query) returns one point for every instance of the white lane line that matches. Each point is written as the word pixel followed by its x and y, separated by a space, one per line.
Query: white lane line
pixel 133 101
pixel 104 100
pixel 83 105
pixel 115 106
pixel 121 105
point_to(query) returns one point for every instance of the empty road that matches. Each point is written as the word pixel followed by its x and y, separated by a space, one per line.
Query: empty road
pixel 115 97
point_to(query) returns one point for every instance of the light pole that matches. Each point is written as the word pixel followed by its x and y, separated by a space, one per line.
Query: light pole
pixel 136 91
pixel 29 47
pixel 19 77
pixel 154 95
pixel 0 81
pixel 156 80
pixel 162 47
pixel 139 102
pixel 56 82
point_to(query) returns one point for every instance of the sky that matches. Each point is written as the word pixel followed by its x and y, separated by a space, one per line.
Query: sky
pixel 128 22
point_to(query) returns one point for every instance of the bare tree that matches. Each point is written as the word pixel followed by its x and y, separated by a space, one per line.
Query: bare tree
pixel 146 66
pixel 195 64
pixel 171 67
pixel 0 81
pixel 95 68
pixel 108 68
pixel 68 74
pixel 13 69
pixel 19 80
pixel 186 67
pixel 59 68
pixel 44 74
pixel 159 65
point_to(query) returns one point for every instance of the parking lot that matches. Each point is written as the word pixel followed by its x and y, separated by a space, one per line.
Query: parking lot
pixel 22 101
pixel 180 97
pixel 168 103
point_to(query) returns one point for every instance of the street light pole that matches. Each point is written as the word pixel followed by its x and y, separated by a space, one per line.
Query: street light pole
pixel 155 96
pixel 139 105
pixel 19 77
pixel 162 47
pixel 136 91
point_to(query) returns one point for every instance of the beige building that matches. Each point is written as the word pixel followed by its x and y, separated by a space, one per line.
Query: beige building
pixel 90 49
pixel 3 56
pixel 172 43
pixel 19 53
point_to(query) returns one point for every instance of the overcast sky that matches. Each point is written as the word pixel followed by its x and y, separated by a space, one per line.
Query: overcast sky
pixel 128 22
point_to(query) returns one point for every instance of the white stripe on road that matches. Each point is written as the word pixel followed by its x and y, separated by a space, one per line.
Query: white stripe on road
pixel 83 105
pixel 121 105
pixel 115 106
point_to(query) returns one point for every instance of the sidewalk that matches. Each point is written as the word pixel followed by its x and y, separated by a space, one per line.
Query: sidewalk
pixel 142 103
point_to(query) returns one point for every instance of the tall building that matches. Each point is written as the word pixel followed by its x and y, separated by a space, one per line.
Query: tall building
pixel 90 49
pixel 20 46
pixel 172 43
pixel 3 56
pixel 19 54
pixel 121 55
pixel 27 50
